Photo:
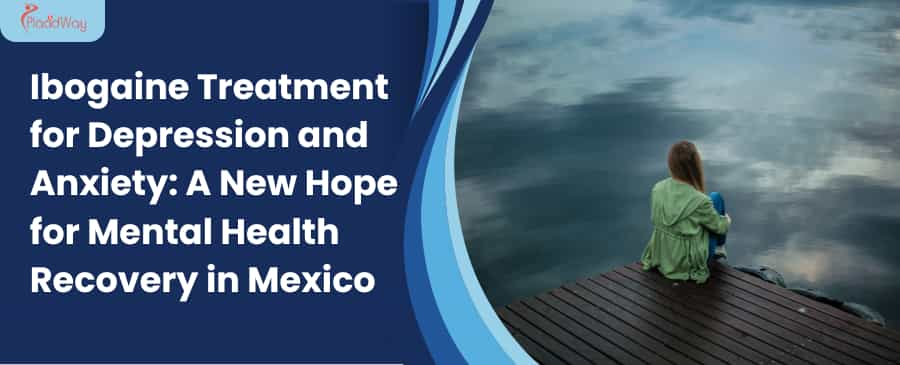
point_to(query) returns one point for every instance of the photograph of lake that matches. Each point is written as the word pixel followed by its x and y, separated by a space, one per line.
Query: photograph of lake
pixel 570 107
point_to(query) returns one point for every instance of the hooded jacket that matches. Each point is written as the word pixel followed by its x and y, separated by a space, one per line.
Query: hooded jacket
pixel 682 219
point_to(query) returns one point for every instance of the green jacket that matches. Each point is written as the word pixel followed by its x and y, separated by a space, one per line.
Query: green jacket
pixel 682 218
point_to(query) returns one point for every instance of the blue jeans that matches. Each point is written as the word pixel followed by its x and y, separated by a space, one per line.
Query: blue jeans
pixel 716 239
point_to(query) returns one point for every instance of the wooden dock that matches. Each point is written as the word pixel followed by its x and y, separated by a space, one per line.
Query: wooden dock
pixel 629 316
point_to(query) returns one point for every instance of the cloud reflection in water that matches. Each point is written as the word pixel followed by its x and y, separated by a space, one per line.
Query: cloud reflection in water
pixel 570 107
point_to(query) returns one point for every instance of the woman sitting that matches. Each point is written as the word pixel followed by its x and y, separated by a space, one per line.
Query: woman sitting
pixel 688 226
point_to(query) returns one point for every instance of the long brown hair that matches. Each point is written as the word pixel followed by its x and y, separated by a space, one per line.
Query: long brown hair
pixel 685 164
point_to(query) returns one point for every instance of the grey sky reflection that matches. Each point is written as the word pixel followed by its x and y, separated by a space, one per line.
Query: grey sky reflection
pixel 570 106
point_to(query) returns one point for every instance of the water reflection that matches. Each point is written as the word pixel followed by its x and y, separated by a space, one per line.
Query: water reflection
pixel 570 107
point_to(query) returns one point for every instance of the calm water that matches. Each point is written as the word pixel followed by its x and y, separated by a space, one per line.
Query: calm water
pixel 570 107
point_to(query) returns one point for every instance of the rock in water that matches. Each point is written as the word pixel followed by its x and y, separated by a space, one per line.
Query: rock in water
pixel 819 296
pixel 864 312
pixel 763 272
pixel 856 309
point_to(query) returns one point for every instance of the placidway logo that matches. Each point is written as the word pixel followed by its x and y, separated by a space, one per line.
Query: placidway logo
pixel 50 22
pixel 30 21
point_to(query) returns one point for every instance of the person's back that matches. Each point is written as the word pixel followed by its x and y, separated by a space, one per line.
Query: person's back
pixel 683 217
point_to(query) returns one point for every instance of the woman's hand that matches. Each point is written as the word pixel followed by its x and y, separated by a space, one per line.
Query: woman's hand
pixel 728 217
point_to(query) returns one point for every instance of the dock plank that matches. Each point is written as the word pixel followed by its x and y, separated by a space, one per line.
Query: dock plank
pixel 856 348
pixel 587 350
pixel 819 312
pixel 646 332
pixel 615 345
pixel 803 343
pixel 539 337
pixel 589 291
pixel 618 333
pixel 725 323
pixel 631 316
pixel 538 352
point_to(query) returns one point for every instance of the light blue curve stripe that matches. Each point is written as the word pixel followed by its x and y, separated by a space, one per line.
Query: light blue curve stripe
pixel 466 14
pixel 440 16
pixel 471 321
pixel 434 330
